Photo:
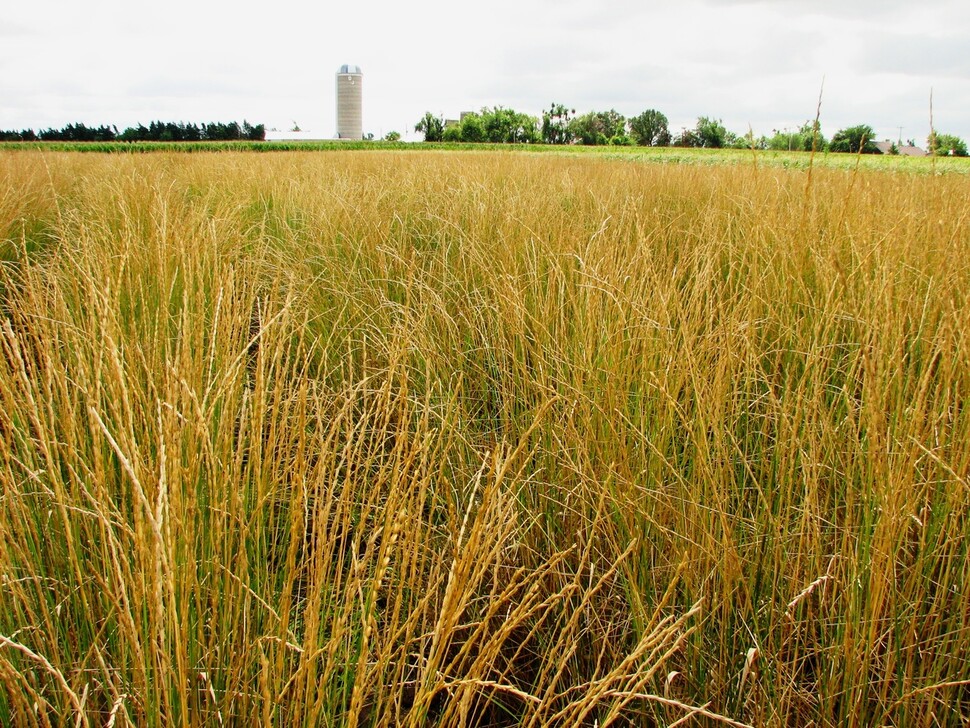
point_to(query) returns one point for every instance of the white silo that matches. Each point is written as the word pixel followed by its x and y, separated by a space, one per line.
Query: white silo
pixel 350 83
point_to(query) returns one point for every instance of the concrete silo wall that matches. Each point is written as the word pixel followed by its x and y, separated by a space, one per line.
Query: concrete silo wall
pixel 349 105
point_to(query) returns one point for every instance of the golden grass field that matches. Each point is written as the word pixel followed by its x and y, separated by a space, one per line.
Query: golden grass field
pixel 481 439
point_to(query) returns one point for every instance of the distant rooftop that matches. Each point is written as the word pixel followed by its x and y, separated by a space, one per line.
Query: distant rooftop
pixel 905 150
pixel 348 68
pixel 274 135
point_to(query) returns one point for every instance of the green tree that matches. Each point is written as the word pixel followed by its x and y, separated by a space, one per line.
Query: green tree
pixel 392 136
pixel 24 135
pixel 472 129
pixel 946 145
pixel 784 140
pixel 451 134
pixel 854 139
pixel 526 129
pixel 746 141
pixel 134 133
pixel 505 126
pixel 812 138
pixel 612 123
pixel 598 127
pixel 710 133
pixel 650 129
pixel 556 125
pixel 433 127
pixel 585 130
pixel 801 139
pixel 498 124
pixel 687 138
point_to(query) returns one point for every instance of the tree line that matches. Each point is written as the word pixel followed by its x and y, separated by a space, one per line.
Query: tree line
pixel 157 131
pixel 562 125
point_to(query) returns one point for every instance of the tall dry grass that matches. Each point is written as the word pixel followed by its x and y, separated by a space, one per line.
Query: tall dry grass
pixel 481 439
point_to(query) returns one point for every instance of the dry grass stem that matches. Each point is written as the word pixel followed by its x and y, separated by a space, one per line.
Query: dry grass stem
pixel 490 439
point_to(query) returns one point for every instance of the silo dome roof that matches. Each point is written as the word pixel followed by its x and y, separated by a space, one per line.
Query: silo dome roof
pixel 347 68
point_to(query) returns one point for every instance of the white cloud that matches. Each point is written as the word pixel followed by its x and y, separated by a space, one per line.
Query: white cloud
pixel 758 63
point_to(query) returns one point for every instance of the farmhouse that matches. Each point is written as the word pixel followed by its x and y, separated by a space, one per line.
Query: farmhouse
pixel 905 150
pixel 274 135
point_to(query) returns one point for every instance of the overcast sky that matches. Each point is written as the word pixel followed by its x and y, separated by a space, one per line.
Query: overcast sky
pixel 749 63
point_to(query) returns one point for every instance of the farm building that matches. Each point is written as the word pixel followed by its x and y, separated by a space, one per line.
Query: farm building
pixel 905 150
pixel 349 102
